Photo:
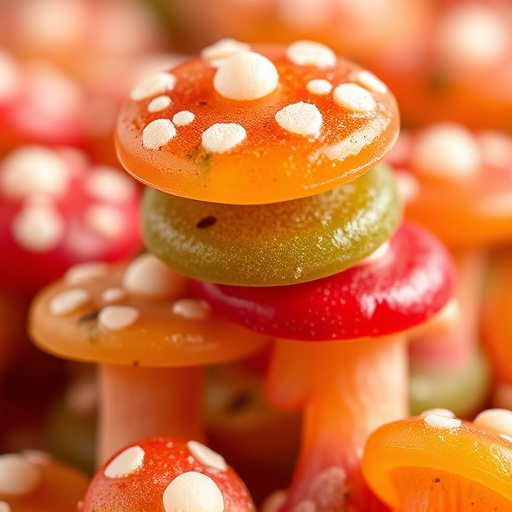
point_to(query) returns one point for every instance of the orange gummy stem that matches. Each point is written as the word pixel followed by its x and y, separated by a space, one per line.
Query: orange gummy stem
pixel 345 390
pixel 141 402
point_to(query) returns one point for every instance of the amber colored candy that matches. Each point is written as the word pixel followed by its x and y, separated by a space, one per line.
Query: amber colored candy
pixel 253 124
pixel 273 244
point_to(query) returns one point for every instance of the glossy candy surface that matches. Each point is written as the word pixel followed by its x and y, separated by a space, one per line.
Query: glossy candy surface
pixel 273 244
pixel 389 292
pixel 256 124
pixel 143 313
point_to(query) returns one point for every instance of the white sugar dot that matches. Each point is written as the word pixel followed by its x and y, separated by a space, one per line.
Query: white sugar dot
pixel 125 463
pixel 37 457
pixel 433 420
pixel 106 221
pixel 114 295
pixel 157 83
pixel 223 49
pixel 353 97
pixel 319 87
pixel 84 272
pixel 246 76
pixel 194 309
pixel 158 133
pixel 207 456
pixel 10 79
pixel 18 476
pixel 34 170
pixel 438 411
pixel 38 228
pixel 183 118
pixel 371 82
pixel 193 492
pixel 5 507
pixel 309 53
pixel 159 103
pixel 110 185
pixel 117 318
pixel 222 137
pixel 69 301
pixel 147 275
pixel 408 186
pixel 300 118
pixel 498 421
pixel 446 150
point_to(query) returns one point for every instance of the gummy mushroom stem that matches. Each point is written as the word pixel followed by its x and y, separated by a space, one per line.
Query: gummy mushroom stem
pixel 148 401
pixel 346 389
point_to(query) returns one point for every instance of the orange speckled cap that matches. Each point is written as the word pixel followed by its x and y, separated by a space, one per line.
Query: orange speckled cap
pixel 138 313
pixel 255 124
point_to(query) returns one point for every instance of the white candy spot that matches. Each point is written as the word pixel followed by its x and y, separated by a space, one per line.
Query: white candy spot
pixel 223 49
pixel 18 476
pixel 4 507
pixel 106 221
pixel 183 118
pixel 85 272
pixel 125 463
pixel 446 150
pixel 246 76
pixel 10 79
pixel 371 82
pixel 300 118
pixel 37 457
pixel 111 295
pixel 159 103
pixel 147 275
pixel 157 83
pixel 309 53
pixel 109 185
pixel 38 228
pixel 507 438
pixel 498 421
pixel 222 137
pixel 319 87
pixel 438 411
pixel 193 492
pixel 34 170
pixel 433 420
pixel 408 186
pixel 158 133
pixel 117 318
pixel 69 301
pixel 354 98
pixel 207 456
pixel 193 309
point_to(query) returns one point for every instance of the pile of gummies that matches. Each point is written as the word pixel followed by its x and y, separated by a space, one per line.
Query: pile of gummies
pixel 255 256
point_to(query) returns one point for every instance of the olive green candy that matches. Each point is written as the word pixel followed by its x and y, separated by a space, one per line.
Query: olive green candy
pixel 273 244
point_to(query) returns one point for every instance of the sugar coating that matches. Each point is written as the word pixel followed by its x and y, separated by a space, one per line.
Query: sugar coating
pixel 10 79
pixel 114 295
pixel 369 81
pixel 33 170
pixel 433 420
pixel 355 98
pixel 319 87
pixel 69 301
pixel 158 133
pixel 300 118
pixel 38 228
pixel 117 318
pixel 498 421
pixel 309 53
pixel 223 49
pixel 157 83
pixel 438 411
pixel 193 492
pixel 194 309
pixel 85 272
pixel 207 456
pixel 446 150
pixel 183 118
pixel 104 220
pixel 125 463
pixel 222 137
pixel 18 476
pixel 109 185
pixel 246 76
pixel 159 103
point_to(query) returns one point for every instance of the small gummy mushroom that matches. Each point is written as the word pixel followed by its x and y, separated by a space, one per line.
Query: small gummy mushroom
pixel 32 481
pixel 258 131
pixel 436 462
pixel 167 475
pixel 150 335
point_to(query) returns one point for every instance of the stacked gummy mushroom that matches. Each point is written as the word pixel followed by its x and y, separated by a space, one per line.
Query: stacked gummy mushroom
pixel 266 188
